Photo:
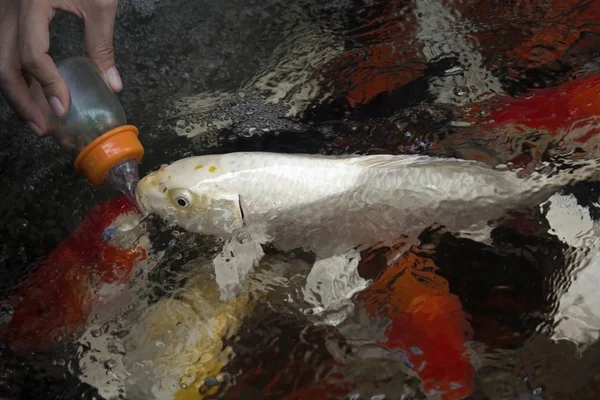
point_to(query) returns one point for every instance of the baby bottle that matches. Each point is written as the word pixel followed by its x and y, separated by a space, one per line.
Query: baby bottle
pixel 94 130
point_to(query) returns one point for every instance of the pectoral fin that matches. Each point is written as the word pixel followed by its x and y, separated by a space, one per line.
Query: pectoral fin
pixel 331 284
pixel 234 263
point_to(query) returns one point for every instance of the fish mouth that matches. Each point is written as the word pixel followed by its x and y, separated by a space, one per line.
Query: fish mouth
pixel 141 205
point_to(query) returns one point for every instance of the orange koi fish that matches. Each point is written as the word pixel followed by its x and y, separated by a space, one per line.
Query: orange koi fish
pixel 427 323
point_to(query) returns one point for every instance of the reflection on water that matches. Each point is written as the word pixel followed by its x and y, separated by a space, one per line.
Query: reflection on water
pixel 510 313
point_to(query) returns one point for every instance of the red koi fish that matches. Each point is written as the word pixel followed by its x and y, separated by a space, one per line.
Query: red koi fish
pixel 55 299
pixel 387 54
pixel 554 110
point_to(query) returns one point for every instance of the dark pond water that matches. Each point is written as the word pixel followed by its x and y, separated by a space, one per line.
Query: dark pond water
pixel 513 313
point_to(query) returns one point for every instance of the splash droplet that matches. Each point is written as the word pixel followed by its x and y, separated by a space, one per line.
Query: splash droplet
pixel 110 364
pixel 461 91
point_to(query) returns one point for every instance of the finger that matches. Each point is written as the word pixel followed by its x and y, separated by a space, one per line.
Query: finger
pixel 12 84
pixel 15 91
pixel 34 39
pixel 99 18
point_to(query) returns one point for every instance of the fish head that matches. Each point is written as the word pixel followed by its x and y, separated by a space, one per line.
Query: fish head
pixel 195 199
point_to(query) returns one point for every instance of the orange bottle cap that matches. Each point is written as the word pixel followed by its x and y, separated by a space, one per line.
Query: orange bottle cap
pixel 108 150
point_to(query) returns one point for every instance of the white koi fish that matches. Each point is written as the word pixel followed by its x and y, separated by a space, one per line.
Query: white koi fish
pixel 334 204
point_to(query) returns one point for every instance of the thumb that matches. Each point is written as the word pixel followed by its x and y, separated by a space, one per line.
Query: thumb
pixel 99 22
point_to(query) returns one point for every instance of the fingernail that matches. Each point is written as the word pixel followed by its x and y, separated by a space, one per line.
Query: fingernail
pixel 56 106
pixel 114 79
pixel 35 128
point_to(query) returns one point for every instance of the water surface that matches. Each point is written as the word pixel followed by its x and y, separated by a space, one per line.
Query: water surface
pixel 335 77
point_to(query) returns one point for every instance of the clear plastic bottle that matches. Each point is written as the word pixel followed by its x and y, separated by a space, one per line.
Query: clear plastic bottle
pixel 95 131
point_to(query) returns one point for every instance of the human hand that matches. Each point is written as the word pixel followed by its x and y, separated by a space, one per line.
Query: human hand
pixel 24 45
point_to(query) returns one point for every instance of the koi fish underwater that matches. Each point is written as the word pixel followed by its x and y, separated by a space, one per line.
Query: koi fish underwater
pixel 45 308
pixel 317 198
pixel 336 205
pixel 331 205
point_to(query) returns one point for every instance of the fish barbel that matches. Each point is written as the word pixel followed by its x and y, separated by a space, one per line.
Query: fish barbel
pixel 330 204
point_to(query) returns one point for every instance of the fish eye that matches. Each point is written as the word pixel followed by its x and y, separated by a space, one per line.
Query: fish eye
pixel 181 202
pixel 181 198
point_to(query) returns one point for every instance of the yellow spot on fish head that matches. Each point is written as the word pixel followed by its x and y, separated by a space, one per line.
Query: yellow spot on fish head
pixel 212 168
pixel 199 166
pixel 169 177
pixel 151 178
